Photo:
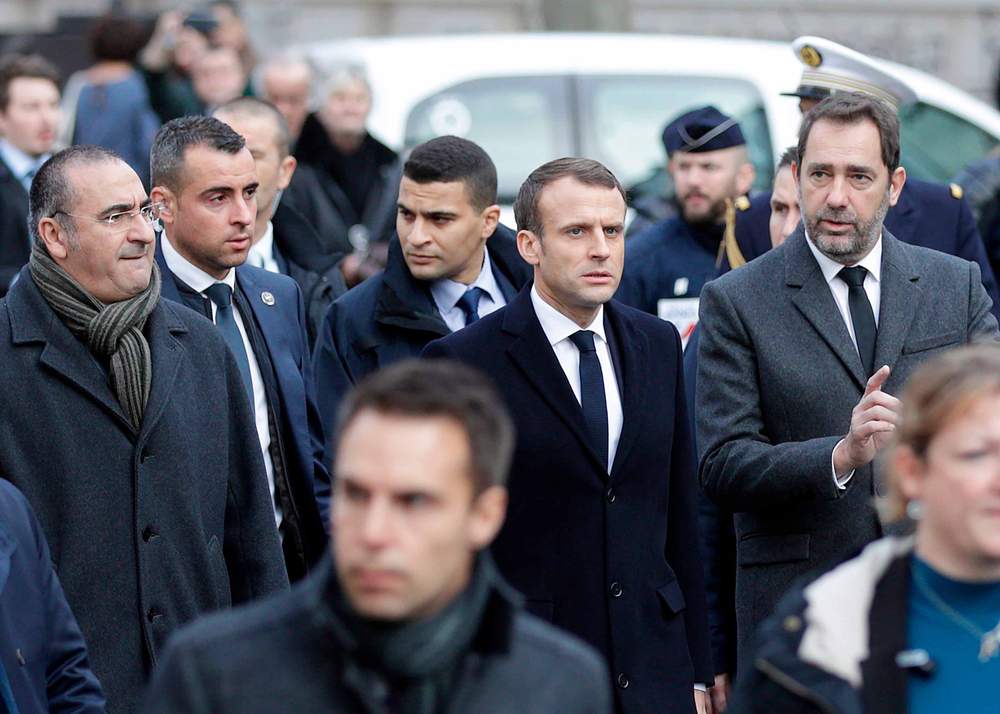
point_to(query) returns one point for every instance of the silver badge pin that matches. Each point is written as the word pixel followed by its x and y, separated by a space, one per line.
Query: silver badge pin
pixel 267 298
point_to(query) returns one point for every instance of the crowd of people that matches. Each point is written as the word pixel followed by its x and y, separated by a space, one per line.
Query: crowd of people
pixel 292 423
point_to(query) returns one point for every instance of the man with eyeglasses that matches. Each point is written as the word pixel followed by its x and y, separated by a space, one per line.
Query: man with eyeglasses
pixel 125 424
pixel 205 180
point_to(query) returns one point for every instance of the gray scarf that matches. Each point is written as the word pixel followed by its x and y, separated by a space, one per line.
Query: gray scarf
pixel 112 332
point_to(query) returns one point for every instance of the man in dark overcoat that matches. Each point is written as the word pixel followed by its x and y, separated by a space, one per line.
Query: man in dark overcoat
pixel 602 535
pixel 127 427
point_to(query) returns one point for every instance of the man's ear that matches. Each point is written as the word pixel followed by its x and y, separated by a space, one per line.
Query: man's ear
pixel 488 513
pixel 285 172
pixel 55 237
pixel 168 203
pixel 896 182
pixel 744 178
pixel 529 246
pixel 491 216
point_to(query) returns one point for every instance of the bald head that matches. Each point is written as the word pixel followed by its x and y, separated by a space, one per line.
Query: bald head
pixel 286 82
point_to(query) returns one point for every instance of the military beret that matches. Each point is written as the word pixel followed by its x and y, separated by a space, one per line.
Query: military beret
pixel 700 130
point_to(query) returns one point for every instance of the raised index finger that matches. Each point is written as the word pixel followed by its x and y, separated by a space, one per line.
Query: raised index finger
pixel 876 381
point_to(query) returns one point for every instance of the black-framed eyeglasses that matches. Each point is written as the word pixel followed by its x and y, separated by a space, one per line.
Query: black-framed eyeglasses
pixel 121 220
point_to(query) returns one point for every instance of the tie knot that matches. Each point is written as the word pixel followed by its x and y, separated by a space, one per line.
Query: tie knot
pixel 854 277
pixel 469 302
pixel 220 293
pixel 584 341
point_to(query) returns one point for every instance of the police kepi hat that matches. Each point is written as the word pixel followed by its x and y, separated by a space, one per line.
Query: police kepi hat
pixel 700 130
pixel 829 67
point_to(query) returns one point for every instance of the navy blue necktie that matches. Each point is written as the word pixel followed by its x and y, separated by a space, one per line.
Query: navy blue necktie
pixel 593 401
pixel 222 295
pixel 862 315
pixel 469 303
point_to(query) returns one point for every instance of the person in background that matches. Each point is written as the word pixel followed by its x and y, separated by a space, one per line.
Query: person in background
pixel 350 190
pixel 408 613
pixel 178 41
pixel 218 77
pixel 286 82
pixel 913 623
pixel 29 122
pixel 231 31
pixel 43 658
pixel 108 104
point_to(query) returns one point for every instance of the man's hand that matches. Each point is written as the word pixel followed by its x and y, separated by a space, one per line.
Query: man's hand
pixel 873 420
pixel 720 693
pixel 702 704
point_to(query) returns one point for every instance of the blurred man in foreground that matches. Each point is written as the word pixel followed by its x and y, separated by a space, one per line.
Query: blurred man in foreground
pixel 410 614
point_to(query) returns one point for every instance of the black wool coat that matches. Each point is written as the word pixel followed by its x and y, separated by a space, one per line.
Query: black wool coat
pixel 147 529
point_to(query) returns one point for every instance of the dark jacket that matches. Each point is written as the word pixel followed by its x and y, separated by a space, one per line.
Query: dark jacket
pixel 306 258
pixel 279 316
pixel 855 625
pixel 767 424
pixel 148 529
pixel 332 207
pixel 41 647
pixel 15 241
pixel 517 664
pixel 613 559
pixel 389 317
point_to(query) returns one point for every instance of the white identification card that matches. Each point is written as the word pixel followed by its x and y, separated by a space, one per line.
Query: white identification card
pixel 683 312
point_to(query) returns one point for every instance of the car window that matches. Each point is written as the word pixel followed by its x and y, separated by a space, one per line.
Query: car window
pixel 622 119
pixel 936 144
pixel 521 122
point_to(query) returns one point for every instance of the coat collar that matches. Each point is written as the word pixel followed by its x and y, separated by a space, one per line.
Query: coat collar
pixel 33 322
pixel 900 298
pixel 531 352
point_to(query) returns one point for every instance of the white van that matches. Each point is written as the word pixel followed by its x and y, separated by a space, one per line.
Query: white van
pixel 528 98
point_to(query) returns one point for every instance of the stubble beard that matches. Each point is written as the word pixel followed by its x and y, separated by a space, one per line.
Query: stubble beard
pixel 849 248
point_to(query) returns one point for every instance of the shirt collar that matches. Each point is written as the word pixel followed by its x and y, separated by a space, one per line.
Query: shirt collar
pixel 265 246
pixel 447 292
pixel 831 268
pixel 557 327
pixel 19 162
pixel 192 276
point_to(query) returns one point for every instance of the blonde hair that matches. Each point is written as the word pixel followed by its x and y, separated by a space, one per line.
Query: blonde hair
pixel 938 392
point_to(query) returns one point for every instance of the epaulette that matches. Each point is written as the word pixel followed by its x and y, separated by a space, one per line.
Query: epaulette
pixel 742 203
pixel 956 191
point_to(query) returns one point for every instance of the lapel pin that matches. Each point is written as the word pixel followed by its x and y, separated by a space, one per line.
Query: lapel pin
pixel 267 298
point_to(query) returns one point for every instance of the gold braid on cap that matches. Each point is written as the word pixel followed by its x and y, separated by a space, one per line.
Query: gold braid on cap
pixel 729 247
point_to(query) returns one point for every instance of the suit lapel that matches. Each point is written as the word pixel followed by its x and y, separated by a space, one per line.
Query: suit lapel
pixel 267 316
pixel 168 283
pixel 32 320
pixel 166 353
pixel 814 300
pixel 632 364
pixel 534 357
pixel 900 298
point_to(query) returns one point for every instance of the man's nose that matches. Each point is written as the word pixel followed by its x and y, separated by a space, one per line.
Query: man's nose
pixel 837 195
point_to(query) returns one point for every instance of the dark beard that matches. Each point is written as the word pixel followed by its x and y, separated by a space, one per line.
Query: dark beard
pixel 859 241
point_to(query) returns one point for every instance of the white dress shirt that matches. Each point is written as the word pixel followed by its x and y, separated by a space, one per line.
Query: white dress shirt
pixel 20 163
pixel 558 328
pixel 872 285
pixel 262 252
pixel 199 281
pixel 446 294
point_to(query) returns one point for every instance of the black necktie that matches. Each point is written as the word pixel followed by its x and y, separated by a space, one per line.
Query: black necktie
pixel 222 295
pixel 469 303
pixel 862 315
pixel 592 397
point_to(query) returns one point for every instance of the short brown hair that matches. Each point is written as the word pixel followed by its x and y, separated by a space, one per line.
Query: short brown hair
pixel 586 171
pixel 442 388
pixel 17 66
pixel 851 108
pixel 938 392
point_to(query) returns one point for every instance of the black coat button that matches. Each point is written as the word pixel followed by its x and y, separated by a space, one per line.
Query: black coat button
pixel 148 533
pixel 622 680
pixel 610 495
pixel 616 590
